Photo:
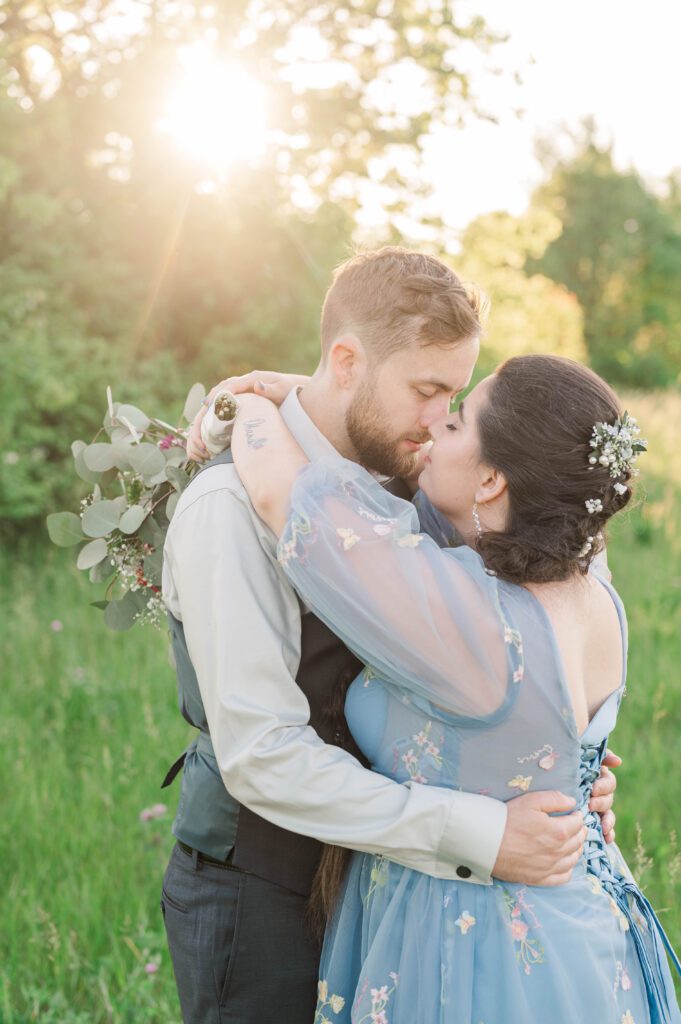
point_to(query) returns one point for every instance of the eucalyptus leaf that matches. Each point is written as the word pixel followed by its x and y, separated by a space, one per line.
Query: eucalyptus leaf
pixel 65 529
pixel 103 571
pixel 178 478
pixel 146 459
pixel 132 519
pixel 121 503
pixel 121 454
pixel 175 456
pixel 196 395
pixel 89 475
pixel 121 615
pixel 139 420
pixel 151 533
pixel 153 566
pixel 99 457
pixel 107 422
pixel 92 554
pixel 171 504
pixel 99 604
pixel 100 518
pixel 78 446
pixel 122 435
pixel 158 478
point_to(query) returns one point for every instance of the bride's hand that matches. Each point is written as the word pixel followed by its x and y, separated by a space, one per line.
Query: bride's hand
pixel 268 383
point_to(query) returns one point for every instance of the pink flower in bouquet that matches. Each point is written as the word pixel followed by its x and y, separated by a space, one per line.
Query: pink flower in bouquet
pixel 166 442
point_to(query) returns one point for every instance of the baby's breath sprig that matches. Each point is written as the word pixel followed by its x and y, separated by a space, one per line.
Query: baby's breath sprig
pixel 616 446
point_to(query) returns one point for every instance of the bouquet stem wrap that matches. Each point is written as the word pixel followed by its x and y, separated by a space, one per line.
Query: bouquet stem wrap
pixel 218 423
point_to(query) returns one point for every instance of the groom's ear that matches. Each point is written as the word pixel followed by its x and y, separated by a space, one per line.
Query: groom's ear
pixel 347 361
pixel 492 484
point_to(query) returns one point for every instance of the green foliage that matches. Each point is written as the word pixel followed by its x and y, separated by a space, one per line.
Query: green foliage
pixel 138 475
pixel 118 267
pixel 619 252
pixel 528 313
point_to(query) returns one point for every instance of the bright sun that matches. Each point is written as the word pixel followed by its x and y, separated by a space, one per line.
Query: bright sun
pixel 216 111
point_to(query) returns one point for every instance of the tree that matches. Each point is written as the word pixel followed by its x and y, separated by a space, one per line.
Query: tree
pixel 529 313
pixel 619 251
pixel 136 249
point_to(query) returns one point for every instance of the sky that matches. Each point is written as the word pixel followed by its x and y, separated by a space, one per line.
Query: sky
pixel 616 61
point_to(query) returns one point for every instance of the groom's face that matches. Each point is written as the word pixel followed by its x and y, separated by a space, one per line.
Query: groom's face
pixel 399 399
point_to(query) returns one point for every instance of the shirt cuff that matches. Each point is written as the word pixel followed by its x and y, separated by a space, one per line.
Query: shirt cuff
pixel 471 838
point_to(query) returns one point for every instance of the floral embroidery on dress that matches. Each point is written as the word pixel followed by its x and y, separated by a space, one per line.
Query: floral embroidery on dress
pixel 545 757
pixel 378 877
pixel 617 913
pixel 521 782
pixel 334 1003
pixel 627 1018
pixel 380 997
pixel 410 540
pixel 465 922
pixel 368 674
pixel 528 951
pixel 427 756
pixel 622 979
pixel 366 513
pixel 514 639
pixel 348 536
pixel 300 529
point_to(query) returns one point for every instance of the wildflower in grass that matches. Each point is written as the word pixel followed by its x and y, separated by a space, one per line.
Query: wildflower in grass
pixel 151 968
pixel 56 625
pixel 151 813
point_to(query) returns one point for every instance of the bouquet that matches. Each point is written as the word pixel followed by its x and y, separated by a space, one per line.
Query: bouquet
pixel 137 467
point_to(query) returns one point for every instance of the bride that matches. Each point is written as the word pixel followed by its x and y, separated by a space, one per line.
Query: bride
pixel 495 666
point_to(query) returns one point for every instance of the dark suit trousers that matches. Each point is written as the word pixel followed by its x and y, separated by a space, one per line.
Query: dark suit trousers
pixel 240 947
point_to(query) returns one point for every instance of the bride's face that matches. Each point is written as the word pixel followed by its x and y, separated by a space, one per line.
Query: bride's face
pixel 454 471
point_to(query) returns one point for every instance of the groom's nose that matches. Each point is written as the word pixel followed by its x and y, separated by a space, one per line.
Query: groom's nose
pixel 436 409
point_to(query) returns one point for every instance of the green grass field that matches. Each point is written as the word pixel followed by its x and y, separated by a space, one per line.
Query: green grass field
pixel 88 726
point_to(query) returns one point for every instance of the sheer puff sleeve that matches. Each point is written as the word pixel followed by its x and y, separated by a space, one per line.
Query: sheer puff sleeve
pixel 426 619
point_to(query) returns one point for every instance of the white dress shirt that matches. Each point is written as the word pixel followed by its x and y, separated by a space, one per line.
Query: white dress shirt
pixel 241 621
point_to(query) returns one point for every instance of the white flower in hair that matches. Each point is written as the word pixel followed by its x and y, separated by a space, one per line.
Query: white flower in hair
pixel 620 488
pixel 616 445
pixel 593 505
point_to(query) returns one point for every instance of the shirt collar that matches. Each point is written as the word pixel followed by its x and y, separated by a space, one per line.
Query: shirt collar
pixel 307 434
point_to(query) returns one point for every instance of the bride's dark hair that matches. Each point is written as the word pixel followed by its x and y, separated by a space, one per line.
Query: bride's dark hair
pixel 535 428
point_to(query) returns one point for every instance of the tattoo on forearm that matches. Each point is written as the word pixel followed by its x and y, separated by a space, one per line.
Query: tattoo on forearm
pixel 251 441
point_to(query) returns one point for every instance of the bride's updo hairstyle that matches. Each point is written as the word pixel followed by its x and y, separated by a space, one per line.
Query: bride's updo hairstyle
pixel 536 429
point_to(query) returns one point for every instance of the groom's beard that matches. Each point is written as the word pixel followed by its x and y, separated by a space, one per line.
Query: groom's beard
pixel 368 428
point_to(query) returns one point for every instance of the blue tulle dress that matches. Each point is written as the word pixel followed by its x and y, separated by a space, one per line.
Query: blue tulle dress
pixel 463 688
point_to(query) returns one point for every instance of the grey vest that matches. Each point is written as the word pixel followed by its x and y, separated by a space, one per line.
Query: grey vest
pixel 208 818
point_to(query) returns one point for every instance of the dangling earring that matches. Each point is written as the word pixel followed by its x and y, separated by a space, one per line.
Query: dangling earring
pixel 476 520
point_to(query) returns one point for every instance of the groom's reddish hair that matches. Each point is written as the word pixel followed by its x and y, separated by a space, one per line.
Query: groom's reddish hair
pixel 393 298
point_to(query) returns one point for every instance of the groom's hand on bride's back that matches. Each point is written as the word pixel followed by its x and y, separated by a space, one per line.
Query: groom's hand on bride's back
pixel 543 840
pixel 538 849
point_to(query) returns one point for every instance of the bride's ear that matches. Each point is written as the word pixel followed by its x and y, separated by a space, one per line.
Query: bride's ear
pixel 491 485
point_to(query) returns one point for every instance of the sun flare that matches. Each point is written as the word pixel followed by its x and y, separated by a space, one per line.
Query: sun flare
pixel 216 112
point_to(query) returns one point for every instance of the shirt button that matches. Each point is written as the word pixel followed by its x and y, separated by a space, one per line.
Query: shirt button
pixel 463 872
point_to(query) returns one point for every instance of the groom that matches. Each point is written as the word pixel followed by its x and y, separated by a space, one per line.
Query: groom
pixel 266 782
